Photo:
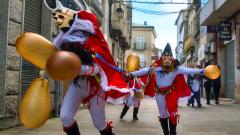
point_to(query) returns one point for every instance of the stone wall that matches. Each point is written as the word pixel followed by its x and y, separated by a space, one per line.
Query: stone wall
pixel 13 60
pixel 12 65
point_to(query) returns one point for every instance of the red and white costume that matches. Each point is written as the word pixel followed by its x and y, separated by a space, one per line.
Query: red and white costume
pixel 168 88
pixel 111 85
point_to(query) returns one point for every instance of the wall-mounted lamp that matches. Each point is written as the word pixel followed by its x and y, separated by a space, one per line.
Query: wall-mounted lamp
pixel 180 43
pixel 120 13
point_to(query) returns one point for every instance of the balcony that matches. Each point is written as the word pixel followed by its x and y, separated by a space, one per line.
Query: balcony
pixel 120 31
pixel 218 10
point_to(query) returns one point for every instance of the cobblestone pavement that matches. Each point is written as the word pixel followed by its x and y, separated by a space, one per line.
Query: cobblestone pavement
pixel 223 119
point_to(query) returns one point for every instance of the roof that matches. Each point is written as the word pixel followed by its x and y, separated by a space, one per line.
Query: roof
pixel 137 25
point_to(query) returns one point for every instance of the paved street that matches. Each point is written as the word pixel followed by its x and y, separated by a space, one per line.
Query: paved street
pixel 223 119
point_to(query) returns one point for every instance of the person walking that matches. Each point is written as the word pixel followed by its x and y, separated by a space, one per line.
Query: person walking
pixel 136 87
pixel 194 81
pixel 216 87
pixel 207 86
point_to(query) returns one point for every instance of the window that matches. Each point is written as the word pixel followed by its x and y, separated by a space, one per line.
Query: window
pixel 140 42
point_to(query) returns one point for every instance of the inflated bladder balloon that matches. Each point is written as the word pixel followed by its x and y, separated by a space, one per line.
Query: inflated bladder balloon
pixel 35 48
pixel 212 72
pixel 35 106
pixel 64 65
pixel 133 62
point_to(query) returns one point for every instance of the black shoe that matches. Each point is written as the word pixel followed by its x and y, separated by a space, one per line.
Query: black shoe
pixel 172 128
pixel 107 131
pixel 164 124
pixel 124 111
pixel 208 103
pixel 135 118
pixel 199 105
pixel 217 102
pixel 192 105
pixel 72 130
pixel 135 112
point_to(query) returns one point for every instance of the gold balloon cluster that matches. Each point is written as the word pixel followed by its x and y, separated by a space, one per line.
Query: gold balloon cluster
pixel 61 65
pixel 35 106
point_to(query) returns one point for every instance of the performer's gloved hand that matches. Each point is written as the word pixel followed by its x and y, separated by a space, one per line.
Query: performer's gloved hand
pixel 203 72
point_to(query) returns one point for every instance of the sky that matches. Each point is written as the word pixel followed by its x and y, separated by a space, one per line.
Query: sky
pixel 164 24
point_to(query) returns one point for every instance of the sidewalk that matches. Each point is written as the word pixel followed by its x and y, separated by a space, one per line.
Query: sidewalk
pixel 223 119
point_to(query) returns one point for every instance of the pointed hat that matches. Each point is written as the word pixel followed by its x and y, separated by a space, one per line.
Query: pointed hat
pixel 167 50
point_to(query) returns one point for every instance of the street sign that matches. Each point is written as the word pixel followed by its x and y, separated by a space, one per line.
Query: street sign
pixel 225 31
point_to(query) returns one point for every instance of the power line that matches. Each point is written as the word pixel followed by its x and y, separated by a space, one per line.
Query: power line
pixel 146 11
pixel 153 2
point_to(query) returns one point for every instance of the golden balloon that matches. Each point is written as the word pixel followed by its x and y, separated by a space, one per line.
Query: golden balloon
pixel 212 72
pixel 64 65
pixel 35 48
pixel 133 62
pixel 35 106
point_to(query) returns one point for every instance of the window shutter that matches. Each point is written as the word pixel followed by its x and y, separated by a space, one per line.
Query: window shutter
pixel 32 23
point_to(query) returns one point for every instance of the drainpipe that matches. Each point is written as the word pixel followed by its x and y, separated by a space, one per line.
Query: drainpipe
pixel 20 64
pixel 110 15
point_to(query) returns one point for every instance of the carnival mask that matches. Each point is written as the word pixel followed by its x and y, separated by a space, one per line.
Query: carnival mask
pixel 167 60
pixel 64 18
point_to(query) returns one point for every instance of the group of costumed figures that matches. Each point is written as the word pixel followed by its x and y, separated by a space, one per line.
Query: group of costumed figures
pixel 100 80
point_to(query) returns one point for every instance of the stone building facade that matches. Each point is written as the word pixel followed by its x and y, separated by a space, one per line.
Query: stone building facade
pixel 16 74
pixel 143 44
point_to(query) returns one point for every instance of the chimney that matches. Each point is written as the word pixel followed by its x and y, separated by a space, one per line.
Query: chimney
pixel 145 22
